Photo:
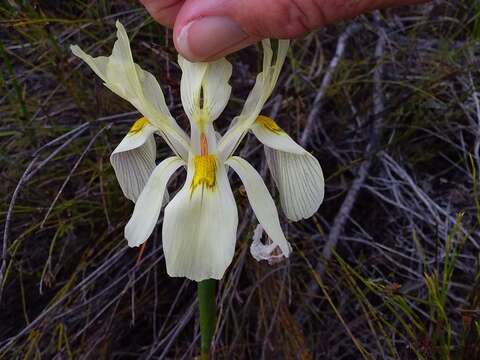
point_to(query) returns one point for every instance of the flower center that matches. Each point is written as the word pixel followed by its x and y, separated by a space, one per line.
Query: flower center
pixel 269 124
pixel 205 171
pixel 138 125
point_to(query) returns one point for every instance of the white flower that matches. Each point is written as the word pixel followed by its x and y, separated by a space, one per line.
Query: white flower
pixel 200 222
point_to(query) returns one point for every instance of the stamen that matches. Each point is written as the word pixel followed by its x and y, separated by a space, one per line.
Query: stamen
pixel 269 124
pixel 139 125
pixel 205 172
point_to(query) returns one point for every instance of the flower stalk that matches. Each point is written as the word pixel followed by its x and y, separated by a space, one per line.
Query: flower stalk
pixel 206 307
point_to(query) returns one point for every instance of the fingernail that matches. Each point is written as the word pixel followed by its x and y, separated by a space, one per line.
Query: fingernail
pixel 206 37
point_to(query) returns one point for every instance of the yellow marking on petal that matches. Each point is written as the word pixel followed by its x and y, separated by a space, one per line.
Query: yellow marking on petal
pixel 139 125
pixel 269 124
pixel 205 172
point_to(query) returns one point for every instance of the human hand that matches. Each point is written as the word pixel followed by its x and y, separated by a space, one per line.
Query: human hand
pixel 209 29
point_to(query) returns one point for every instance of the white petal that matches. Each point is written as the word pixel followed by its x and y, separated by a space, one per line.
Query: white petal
pixel 266 80
pixel 300 182
pixel 149 203
pixel 191 84
pixel 134 160
pixel 204 88
pixel 261 202
pixel 296 172
pixel 199 228
pixel 216 90
pixel 257 97
pixel 231 139
pixel 274 137
pixel 125 78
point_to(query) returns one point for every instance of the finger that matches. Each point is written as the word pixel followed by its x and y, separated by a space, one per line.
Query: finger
pixel 163 11
pixel 208 29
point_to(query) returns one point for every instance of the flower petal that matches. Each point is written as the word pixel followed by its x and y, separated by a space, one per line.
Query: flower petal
pixel 261 202
pixel 134 159
pixel 204 88
pixel 216 90
pixel 296 172
pixel 260 93
pixel 149 203
pixel 200 223
pixel 300 182
pixel 191 85
pixel 270 134
pixel 125 78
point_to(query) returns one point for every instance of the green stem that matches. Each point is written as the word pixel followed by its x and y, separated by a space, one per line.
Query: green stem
pixel 207 307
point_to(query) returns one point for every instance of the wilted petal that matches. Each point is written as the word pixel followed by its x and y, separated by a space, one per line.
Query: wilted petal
pixel 261 251
pixel 296 172
pixel 149 203
pixel 261 202
pixel 200 223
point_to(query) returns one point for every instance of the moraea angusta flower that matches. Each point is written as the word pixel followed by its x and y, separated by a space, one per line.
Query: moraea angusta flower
pixel 200 222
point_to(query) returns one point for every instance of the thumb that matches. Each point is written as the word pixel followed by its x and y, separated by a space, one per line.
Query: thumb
pixel 209 29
